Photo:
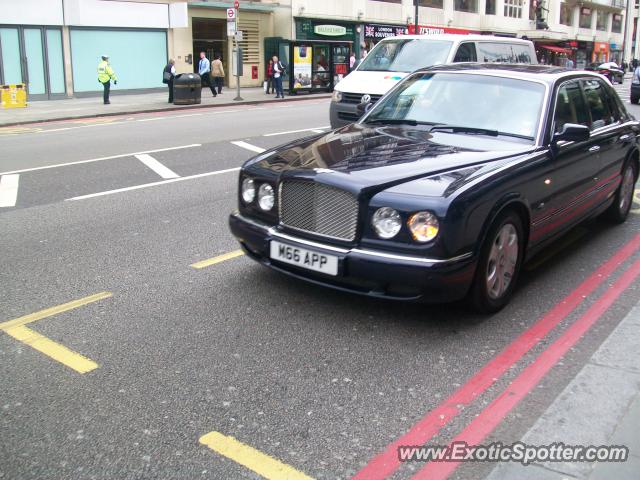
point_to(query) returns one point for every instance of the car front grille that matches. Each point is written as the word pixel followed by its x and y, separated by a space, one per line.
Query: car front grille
pixel 348 117
pixel 356 98
pixel 319 209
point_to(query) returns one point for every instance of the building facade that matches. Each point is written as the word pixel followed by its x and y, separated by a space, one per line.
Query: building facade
pixel 585 31
pixel 54 46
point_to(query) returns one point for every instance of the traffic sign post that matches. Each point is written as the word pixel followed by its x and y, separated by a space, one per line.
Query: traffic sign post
pixel 238 52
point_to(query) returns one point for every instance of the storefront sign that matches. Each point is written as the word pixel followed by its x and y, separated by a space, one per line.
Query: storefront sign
pixel 431 30
pixel 330 30
pixel 600 47
pixel 376 32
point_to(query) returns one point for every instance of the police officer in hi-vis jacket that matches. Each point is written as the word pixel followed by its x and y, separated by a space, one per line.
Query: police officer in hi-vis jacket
pixel 105 75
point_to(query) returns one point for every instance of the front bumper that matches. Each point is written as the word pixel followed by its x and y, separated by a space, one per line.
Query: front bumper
pixel 341 114
pixel 373 273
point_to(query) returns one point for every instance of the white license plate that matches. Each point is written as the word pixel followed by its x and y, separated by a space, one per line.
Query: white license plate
pixel 301 257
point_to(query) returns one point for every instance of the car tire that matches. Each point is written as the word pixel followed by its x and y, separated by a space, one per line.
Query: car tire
pixel 619 209
pixel 498 264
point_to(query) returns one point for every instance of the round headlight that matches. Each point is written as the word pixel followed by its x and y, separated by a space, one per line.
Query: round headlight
pixel 266 198
pixel 386 222
pixel 248 190
pixel 337 96
pixel 424 226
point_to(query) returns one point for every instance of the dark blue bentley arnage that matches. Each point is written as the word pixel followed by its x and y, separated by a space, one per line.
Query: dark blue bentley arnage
pixel 445 186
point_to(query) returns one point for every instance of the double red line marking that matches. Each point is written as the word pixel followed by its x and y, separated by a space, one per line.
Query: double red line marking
pixel 387 462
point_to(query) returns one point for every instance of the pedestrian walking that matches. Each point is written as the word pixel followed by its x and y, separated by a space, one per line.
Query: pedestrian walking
pixel 352 60
pixel 634 63
pixel 569 64
pixel 168 75
pixel 217 73
pixel 270 86
pixel 204 70
pixel 105 76
pixel 278 72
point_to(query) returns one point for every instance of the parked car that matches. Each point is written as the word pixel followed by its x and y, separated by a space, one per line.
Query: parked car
pixel 610 70
pixel 394 58
pixel 445 187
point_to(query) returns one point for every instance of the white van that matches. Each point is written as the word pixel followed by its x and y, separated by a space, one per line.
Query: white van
pixel 396 57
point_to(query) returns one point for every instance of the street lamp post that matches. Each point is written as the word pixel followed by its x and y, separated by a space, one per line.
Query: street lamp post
pixel 415 19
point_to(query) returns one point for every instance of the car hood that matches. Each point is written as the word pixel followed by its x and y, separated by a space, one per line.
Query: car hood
pixel 359 157
pixel 373 83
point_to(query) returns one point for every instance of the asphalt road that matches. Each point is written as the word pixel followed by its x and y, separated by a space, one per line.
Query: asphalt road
pixel 319 380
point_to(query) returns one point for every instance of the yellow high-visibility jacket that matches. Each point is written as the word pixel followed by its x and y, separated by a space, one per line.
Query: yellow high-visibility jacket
pixel 105 72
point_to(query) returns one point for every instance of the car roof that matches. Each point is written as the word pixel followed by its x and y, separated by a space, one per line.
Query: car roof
pixel 547 73
pixel 456 37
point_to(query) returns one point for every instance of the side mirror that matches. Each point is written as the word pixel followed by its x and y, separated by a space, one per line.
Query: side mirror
pixel 363 108
pixel 572 132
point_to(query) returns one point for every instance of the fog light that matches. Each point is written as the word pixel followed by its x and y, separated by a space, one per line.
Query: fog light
pixel 266 198
pixel 386 222
pixel 424 226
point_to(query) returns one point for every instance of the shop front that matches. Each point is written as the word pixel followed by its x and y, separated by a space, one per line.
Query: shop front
pixel 311 65
pixel 374 32
pixel 584 50
pixel 600 52
pixel 433 30
pixel 615 53
pixel 554 53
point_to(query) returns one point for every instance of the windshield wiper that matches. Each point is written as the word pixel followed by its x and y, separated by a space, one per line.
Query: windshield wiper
pixel 394 121
pixel 480 131
pixel 462 129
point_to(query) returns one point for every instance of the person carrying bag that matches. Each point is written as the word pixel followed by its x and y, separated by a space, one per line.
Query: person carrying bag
pixel 168 74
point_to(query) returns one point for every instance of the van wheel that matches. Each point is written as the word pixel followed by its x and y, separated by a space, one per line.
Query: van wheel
pixel 619 209
pixel 499 264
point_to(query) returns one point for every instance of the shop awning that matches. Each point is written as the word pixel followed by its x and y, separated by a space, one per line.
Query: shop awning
pixel 553 49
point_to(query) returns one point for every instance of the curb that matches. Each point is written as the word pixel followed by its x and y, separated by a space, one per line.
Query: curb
pixel 163 109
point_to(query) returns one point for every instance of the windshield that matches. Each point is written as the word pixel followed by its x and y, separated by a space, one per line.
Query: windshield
pixel 508 106
pixel 406 55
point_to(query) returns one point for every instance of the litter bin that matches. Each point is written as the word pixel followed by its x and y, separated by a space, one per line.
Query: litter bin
pixel 14 96
pixel 187 89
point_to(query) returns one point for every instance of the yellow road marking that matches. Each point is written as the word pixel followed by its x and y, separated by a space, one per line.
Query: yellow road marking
pixel 218 259
pixel 249 457
pixel 48 312
pixel 18 130
pixel 571 238
pixel 52 349
pixel 16 328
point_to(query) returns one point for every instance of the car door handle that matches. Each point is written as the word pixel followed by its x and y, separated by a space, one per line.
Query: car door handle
pixel 595 148
pixel 624 137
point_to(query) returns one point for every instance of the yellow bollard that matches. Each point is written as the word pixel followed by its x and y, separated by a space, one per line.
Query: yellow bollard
pixel 14 96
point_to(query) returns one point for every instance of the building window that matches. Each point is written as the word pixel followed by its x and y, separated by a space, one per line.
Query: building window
pixel 490 8
pixel 601 20
pixel 616 24
pixel 250 42
pixel 466 5
pixel 585 18
pixel 431 3
pixel 513 8
pixel 566 14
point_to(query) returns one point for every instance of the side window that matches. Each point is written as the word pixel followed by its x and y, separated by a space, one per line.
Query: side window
pixel 570 107
pixel 503 52
pixel 618 113
pixel 466 53
pixel 594 92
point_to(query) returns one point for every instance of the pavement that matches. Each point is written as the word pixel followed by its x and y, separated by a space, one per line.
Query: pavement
pixel 600 406
pixel 136 341
pixel 84 107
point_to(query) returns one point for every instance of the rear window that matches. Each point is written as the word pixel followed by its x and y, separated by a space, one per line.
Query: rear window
pixel 499 52
pixel 406 55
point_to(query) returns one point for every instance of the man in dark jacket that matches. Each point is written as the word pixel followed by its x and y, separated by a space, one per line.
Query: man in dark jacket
pixel 169 74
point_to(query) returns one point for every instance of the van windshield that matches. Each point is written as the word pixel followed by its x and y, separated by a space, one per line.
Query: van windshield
pixel 406 55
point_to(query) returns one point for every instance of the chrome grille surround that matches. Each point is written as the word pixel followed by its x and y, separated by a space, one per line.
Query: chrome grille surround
pixel 319 209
